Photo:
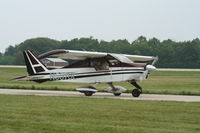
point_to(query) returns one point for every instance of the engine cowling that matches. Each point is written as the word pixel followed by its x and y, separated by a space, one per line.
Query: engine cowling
pixel 150 67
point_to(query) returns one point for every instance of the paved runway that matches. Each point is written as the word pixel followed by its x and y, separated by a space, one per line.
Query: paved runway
pixel 124 96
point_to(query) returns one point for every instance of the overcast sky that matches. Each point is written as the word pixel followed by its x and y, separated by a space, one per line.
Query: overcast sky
pixel 107 20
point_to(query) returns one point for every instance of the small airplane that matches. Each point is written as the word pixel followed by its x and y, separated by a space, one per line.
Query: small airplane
pixel 91 67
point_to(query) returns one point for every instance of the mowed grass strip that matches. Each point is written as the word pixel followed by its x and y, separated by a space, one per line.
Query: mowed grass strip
pixel 159 82
pixel 39 114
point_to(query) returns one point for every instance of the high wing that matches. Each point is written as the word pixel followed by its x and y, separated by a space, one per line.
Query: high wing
pixel 140 58
pixel 72 54
pixel 81 55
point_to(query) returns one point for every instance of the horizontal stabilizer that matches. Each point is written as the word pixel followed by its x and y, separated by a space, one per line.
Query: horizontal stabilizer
pixel 22 78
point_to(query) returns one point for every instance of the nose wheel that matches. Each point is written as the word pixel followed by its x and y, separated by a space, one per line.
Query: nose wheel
pixel 136 92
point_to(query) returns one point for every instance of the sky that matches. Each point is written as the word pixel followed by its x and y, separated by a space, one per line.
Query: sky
pixel 108 20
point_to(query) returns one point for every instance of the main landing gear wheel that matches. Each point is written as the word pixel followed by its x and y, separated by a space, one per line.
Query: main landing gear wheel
pixel 136 92
pixel 88 93
pixel 117 94
pixel 87 90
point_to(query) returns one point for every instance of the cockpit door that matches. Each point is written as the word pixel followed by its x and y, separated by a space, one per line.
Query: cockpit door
pixel 103 70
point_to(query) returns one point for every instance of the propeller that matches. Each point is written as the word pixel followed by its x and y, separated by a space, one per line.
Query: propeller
pixel 155 60
pixel 152 67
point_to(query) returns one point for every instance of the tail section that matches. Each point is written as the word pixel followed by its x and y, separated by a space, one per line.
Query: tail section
pixel 33 65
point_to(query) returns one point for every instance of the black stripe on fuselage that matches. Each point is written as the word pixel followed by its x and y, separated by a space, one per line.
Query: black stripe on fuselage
pixel 99 72
pixel 86 76
pixel 93 75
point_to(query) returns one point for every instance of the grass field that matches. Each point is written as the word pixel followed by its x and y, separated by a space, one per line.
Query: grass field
pixel 37 114
pixel 159 82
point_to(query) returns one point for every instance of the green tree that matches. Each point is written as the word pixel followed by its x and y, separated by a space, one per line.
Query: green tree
pixel 171 54
pixel 10 51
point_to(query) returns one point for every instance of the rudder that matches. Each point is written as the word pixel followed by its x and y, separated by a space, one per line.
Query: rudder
pixel 33 65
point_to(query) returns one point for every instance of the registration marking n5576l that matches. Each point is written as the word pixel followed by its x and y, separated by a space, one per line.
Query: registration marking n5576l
pixel 62 76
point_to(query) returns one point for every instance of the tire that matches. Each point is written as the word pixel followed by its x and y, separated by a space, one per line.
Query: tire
pixel 88 93
pixel 117 94
pixel 136 92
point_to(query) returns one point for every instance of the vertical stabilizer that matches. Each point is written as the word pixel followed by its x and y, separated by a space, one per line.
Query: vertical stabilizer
pixel 33 65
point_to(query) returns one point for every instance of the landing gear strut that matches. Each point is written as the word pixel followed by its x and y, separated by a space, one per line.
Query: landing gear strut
pixel 114 89
pixel 136 92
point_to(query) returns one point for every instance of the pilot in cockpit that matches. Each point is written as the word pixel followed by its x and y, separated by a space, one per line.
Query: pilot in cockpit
pixel 100 64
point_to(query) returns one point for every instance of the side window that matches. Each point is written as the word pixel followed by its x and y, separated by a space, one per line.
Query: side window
pixel 114 63
pixel 78 64
pixel 100 64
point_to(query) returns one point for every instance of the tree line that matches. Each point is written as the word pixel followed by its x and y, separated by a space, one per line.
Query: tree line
pixel 171 54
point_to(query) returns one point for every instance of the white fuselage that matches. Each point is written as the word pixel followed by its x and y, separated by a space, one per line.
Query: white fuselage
pixel 90 75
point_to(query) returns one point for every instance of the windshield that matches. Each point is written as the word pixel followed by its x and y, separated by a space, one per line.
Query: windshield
pixel 121 58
